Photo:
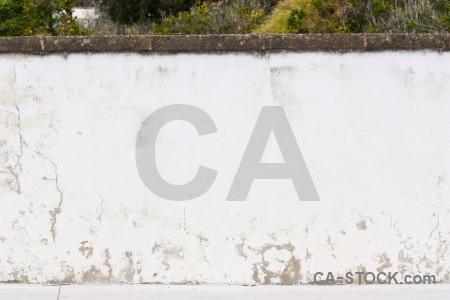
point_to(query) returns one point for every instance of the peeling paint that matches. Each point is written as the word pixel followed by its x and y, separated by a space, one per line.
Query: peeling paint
pixel 86 251
pixel 385 262
pixel 290 273
pixel 361 225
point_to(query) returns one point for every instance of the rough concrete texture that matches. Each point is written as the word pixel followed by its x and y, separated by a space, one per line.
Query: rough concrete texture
pixel 373 129
pixel 226 43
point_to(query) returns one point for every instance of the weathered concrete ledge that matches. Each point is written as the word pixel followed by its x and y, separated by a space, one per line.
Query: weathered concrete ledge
pixel 227 43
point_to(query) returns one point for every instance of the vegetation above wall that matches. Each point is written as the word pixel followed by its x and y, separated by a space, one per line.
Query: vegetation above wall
pixel 357 16
pixel 55 17
pixel 242 16
pixel 141 11
pixel 44 17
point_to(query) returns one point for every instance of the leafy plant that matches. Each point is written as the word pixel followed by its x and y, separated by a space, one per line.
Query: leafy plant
pixel 340 16
pixel 234 16
pixel 38 17
pixel 380 8
pixel 295 20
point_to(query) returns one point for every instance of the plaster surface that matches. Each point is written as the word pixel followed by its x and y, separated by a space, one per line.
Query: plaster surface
pixel 373 129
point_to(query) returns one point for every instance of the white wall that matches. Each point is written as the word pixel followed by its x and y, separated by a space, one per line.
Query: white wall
pixel 373 128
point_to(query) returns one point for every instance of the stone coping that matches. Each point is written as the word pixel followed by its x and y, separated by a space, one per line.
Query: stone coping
pixel 226 43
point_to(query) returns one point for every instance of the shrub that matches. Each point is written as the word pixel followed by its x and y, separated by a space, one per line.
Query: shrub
pixel 102 25
pixel 141 11
pixel 234 16
pixel 353 16
pixel 38 17
pixel 296 20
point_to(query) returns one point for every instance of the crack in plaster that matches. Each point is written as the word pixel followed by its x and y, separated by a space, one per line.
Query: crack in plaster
pixel 57 210
pixel 13 168
pixel 201 240
pixel 331 246
pixel 184 218
pixel 99 218
pixel 435 228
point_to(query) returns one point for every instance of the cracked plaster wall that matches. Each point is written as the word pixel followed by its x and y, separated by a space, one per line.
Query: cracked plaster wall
pixel 373 129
